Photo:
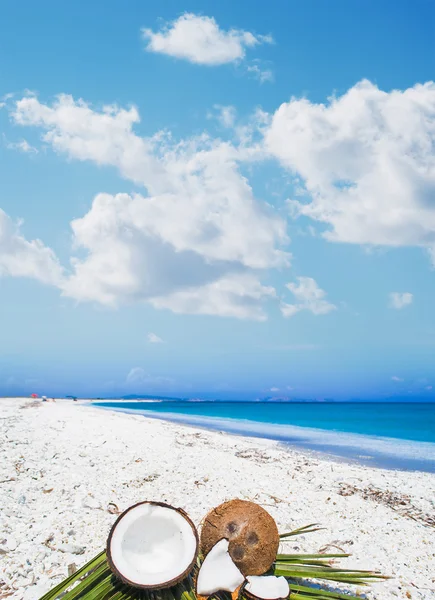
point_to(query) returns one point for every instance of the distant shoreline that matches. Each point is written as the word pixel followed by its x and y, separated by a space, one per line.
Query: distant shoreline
pixel 372 450
pixel 227 401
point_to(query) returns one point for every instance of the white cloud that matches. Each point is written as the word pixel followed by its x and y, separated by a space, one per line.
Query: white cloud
pixel 139 377
pixel 367 162
pixel 399 300
pixel 21 146
pixel 308 296
pixel 136 375
pixel 198 236
pixel 240 296
pixel 226 115
pixel 104 137
pixel 260 72
pixel 4 99
pixel 428 388
pixel 154 339
pixel 200 40
pixel 274 389
pixel 22 258
pixel 397 379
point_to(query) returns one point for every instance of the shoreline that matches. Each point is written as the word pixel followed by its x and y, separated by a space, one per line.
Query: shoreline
pixel 372 451
pixel 66 462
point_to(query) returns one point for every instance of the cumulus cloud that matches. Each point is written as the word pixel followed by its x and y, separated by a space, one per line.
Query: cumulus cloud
pixel 308 296
pixel 399 300
pixel 20 257
pixel 200 40
pixel 240 296
pixel 197 242
pixel 196 239
pixel 366 162
pixel 154 338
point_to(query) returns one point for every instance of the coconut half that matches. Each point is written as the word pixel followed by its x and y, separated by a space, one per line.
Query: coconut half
pixel 267 587
pixel 218 572
pixel 251 531
pixel 152 545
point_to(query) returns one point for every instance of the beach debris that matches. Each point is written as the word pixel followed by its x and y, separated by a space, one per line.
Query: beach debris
pixel 113 509
pixel 48 541
pixel 268 587
pixel 9 544
pixel 334 545
pixel 19 465
pixel 5 589
pixel 34 404
pixel 255 455
pixel 72 568
pixel 150 478
pixel 400 503
pixel 202 481
pixel 250 530
pixel 218 572
pixel 152 545
pixel 71 549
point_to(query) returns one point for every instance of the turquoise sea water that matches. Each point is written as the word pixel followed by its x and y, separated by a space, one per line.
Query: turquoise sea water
pixel 391 435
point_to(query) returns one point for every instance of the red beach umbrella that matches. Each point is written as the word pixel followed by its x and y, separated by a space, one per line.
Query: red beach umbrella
pixel 34 395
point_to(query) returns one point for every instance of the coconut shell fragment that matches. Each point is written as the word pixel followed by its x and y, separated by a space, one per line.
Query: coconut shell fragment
pixel 266 588
pixel 152 545
pixel 252 534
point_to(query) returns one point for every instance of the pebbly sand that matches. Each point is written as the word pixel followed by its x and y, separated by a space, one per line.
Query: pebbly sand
pixel 66 467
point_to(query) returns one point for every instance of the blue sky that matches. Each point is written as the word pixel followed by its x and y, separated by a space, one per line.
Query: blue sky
pixel 217 198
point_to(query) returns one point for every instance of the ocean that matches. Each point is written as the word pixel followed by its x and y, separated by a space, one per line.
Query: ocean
pixel 388 435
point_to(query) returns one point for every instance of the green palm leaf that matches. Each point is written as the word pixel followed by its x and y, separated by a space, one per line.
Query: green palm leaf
pixel 95 581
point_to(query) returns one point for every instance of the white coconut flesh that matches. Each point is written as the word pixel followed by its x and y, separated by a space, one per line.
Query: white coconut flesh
pixel 267 587
pixel 218 572
pixel 152 545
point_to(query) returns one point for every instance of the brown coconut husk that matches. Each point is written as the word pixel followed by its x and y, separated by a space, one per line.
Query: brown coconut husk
pixel 251 531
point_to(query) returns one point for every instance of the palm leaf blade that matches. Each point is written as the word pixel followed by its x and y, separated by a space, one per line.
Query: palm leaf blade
pixel 95 581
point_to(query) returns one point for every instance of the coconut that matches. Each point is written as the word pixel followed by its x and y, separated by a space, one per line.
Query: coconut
pixel 152 545
pixel 252 534
pixel 218 572
pixel 267 587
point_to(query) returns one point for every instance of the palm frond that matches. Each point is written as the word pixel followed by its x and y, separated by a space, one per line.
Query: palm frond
pixel 302 530
pixel 95 581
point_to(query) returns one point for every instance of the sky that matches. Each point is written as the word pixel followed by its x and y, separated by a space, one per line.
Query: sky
pixel 218 199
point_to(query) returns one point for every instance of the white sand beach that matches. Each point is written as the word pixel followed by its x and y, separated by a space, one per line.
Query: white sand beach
pixel 67 467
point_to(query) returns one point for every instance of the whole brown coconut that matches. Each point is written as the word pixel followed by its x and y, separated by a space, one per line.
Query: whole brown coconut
pixel 252 534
